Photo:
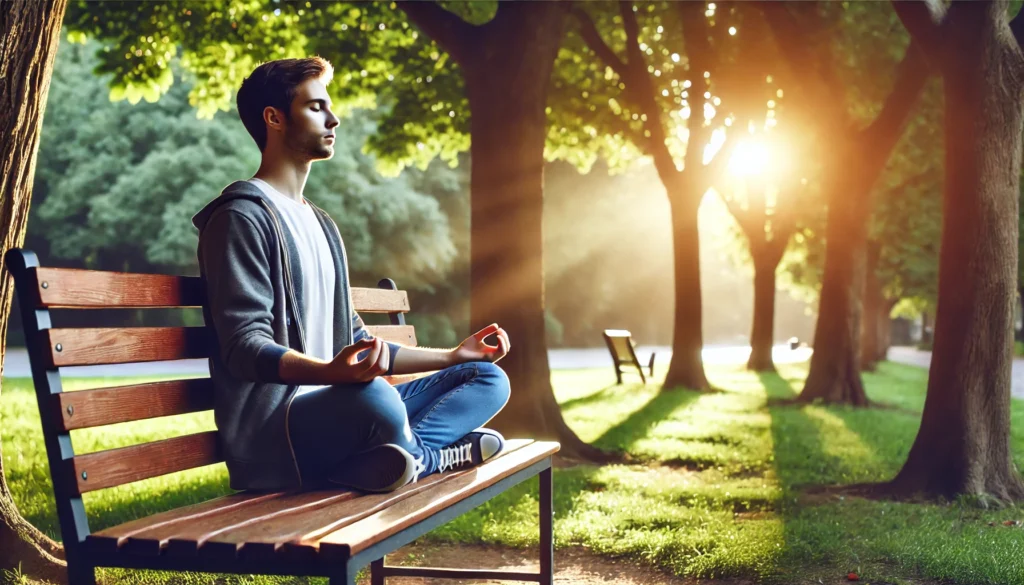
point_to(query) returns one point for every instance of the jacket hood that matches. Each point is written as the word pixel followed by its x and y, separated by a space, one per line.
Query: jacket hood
pixel 236 190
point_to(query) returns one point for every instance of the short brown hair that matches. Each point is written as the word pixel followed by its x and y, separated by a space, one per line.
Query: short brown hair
pixel 273 84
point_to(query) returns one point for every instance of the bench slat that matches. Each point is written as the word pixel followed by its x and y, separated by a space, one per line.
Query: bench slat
pixel 76 288
pixel 114 467
pixel 185 540
pixel 379 300
pixel 404 334
pixel 95 346
pixel 111 539
pixel 104 406
pixel 360 535
pixel 267 535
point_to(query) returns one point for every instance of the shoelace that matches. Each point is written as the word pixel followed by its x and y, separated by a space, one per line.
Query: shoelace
pixel 453 456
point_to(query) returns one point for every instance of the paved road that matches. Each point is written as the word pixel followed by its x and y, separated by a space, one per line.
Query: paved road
pixel 16 362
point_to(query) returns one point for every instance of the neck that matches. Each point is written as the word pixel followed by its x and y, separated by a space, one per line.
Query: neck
pixel 286 174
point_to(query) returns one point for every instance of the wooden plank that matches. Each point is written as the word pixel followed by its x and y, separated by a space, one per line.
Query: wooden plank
pixel 360 535
pixel 75 288
pixel 378 300
pixel 115 537
pixel 185 540
pixel 114 467
pixel 403 334
pixel 263 536
pixel 105 406
pixel 86 347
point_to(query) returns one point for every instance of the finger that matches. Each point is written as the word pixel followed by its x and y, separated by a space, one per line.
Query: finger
pixel 364 365
pixel 385 359
pixel 486 331
pixel 502 350
pixel 504 335
pixel 357 347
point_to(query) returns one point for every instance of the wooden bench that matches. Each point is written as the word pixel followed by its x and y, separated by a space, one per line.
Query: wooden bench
pixel 620 345
pixel 330 533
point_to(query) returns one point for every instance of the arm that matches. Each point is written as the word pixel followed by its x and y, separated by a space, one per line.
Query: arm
pixel 240 296
pixel 413 360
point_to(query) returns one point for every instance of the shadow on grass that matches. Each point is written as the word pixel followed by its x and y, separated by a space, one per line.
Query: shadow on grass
pixel 624 435
pixel 592 398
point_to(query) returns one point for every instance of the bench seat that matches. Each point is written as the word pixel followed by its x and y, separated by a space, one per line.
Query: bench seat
pixel 303 527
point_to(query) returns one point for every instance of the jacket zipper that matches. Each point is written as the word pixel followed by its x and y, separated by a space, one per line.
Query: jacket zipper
pixel 298 326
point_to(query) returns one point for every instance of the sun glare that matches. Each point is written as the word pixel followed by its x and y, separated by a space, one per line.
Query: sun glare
pixel 751 158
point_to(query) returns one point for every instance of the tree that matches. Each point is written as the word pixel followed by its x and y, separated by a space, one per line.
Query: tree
pixel 857 157
pixel 29 35
pixel 641 104
pixel 963 444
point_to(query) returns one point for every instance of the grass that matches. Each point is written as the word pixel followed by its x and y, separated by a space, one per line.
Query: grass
pixel 715 487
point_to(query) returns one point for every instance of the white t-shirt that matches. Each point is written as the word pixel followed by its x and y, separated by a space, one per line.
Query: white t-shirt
pixel 317 267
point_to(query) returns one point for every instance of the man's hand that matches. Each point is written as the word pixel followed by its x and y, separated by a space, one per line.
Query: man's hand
pixel 347 368
pixel 473 349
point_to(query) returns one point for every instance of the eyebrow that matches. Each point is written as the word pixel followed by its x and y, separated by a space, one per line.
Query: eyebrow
pixel 320 101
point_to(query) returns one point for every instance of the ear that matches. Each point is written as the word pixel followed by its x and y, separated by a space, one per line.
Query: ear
pixel 273 118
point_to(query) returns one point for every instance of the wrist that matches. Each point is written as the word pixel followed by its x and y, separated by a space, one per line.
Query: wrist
pixel 453 358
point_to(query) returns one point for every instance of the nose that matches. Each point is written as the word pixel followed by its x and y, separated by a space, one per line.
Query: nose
pixel 332 120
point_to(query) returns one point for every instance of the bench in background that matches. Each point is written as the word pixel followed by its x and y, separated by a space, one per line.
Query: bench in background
pixel 331 533
pixel 620 345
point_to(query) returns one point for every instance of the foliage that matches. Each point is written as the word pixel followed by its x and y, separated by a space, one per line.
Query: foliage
pixel 378 59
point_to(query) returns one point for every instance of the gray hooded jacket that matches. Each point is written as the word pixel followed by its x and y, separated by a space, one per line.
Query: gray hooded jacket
pixel 250 266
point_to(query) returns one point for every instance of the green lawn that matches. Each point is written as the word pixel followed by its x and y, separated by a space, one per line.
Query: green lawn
pixel 714 488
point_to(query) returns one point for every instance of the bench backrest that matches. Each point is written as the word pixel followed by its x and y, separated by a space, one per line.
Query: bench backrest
pixel 620 343
pixel 41 289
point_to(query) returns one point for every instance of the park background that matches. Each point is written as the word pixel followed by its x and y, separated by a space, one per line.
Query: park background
pixel 726 462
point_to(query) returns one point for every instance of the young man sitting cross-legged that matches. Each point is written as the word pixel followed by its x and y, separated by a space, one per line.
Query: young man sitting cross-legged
pixel 299 396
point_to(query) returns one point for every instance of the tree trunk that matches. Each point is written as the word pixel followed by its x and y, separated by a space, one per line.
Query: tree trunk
pixel 29 36
pixel 507 91
pixel 835 364
pixel 963 444
pixel 686 369
pixel 874 304
pixel 762 336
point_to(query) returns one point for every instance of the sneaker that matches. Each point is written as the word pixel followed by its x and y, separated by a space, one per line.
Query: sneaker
pixel 473 449
pixel 381 469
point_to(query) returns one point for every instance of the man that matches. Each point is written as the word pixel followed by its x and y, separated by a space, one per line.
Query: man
pixel 299 396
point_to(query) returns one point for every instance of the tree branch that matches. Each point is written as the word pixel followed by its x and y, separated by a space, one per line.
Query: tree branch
pixel 592 37
pixel 911 74
pixel 634 57
pixel 923 20
pixel 699 53
pixel 795 48
pixel 450 32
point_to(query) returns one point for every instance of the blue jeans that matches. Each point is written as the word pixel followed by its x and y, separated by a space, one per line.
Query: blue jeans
pixel 330 424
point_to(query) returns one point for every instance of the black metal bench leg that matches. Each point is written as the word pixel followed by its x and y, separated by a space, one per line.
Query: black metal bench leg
pixel 81 574
pixel 347 576
pixel 547 540
pixel 377 572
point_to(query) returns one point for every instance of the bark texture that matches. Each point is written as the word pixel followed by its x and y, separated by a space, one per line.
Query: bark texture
pixel 963 444
pixel 875 327
pixel 29 35
pixel 858 160
pixel 506 64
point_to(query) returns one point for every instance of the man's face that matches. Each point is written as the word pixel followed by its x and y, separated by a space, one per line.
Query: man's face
pixel 309 131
